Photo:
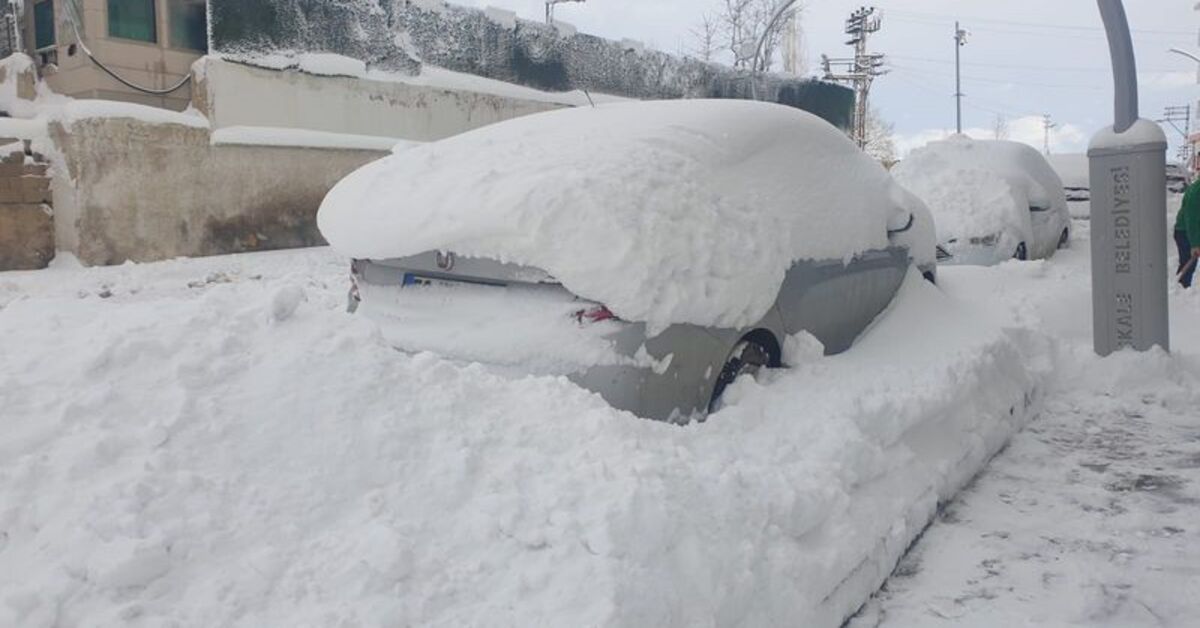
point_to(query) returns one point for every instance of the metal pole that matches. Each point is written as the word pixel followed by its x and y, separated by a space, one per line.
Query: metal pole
pixel 1120 46
pixel 772 24
pixel 958 75
pixel 1129 212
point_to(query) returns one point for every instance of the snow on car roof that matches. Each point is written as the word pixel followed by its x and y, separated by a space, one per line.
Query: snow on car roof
pixel 1020 164
pixel 667 212
pixel 979 187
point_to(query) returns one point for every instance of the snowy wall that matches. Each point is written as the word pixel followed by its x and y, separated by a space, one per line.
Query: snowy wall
pixel 401 34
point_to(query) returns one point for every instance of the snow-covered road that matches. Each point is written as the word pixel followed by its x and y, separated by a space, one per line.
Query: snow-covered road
pixel 1091 517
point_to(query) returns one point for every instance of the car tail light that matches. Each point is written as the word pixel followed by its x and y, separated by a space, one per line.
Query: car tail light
pixel 595 314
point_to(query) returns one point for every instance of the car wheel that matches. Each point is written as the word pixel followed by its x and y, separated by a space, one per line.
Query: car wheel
pixel 747 358
pixel 1064 240
pixel 1022 252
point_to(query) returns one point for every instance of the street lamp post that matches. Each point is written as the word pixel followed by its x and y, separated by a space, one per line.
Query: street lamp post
pixel 772 24
pixel 1185 53
pixel 1129 211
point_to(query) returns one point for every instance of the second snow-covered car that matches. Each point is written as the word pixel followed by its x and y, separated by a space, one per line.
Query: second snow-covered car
pixel 1073 170
pixel 652 252
pixel 992 200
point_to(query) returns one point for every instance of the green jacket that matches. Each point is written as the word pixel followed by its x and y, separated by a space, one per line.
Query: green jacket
pixel 1188 220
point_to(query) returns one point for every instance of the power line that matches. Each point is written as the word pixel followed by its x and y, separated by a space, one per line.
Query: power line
pixel 1098 36
pixel 979 79
pixel 969 101
pixel 973 19
pixel 1014 66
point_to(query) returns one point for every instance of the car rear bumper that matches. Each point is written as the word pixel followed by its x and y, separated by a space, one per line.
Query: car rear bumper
pixel 523 331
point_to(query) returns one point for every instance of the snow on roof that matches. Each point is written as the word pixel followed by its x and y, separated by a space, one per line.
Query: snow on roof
pixel 667 212
pixel 1072 169
pixel 1141 134
pixel 979 187
pixel 305 138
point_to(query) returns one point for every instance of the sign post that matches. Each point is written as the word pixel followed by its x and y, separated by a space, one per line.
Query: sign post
pixel 1129 212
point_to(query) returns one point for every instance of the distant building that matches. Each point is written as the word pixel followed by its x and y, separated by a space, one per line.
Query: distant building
pixel 148 43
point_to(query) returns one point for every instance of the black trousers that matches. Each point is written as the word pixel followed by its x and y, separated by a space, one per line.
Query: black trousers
pixel 1185 257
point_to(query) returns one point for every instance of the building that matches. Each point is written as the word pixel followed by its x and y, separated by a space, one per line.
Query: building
pixel 149 44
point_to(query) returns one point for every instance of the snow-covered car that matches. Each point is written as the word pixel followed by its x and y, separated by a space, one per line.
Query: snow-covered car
pixel 652 252
pixel 1177 179
pixel 992 200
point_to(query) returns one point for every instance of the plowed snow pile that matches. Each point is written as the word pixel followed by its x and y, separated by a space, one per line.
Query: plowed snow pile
pixel 215 443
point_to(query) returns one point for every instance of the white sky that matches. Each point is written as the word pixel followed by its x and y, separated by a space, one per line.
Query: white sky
pixel 1025 57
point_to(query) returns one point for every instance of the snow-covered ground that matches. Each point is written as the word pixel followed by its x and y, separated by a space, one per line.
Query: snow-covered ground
pixel 215 442
pixel 1091 517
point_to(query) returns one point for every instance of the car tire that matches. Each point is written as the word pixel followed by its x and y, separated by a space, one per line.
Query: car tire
pixel 748 357
pixel 1064 240
pixel 1022 252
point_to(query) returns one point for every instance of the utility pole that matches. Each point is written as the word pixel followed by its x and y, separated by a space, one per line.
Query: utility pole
pixel 1175 116
pixel 860 71
pixel 1047 126
pixel 960 40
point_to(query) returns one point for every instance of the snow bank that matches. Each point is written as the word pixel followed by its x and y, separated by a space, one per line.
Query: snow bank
pixel 667 212
pixel 977 188
pixel 304 138
pixel 215 443
pixel 76 110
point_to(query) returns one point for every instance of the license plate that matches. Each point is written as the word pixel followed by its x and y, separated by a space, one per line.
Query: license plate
pixel 417 280
pixel 413 279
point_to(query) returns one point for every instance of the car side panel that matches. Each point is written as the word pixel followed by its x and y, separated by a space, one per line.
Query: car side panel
pixel 1045 238
pixel 678 384
pixel 836 302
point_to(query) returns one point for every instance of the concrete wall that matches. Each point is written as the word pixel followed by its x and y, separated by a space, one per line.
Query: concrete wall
pixel 67 70
pixel 26 218
pixel 147 192
pixel 400 35
pixel 234 94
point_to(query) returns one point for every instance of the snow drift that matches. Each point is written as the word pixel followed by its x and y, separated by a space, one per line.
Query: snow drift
pixel 216 443
pixel 667 212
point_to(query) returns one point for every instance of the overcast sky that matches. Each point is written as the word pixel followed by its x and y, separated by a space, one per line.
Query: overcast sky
pixel 1024 58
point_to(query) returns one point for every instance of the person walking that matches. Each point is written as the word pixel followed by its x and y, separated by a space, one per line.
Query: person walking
pixel 1187 234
